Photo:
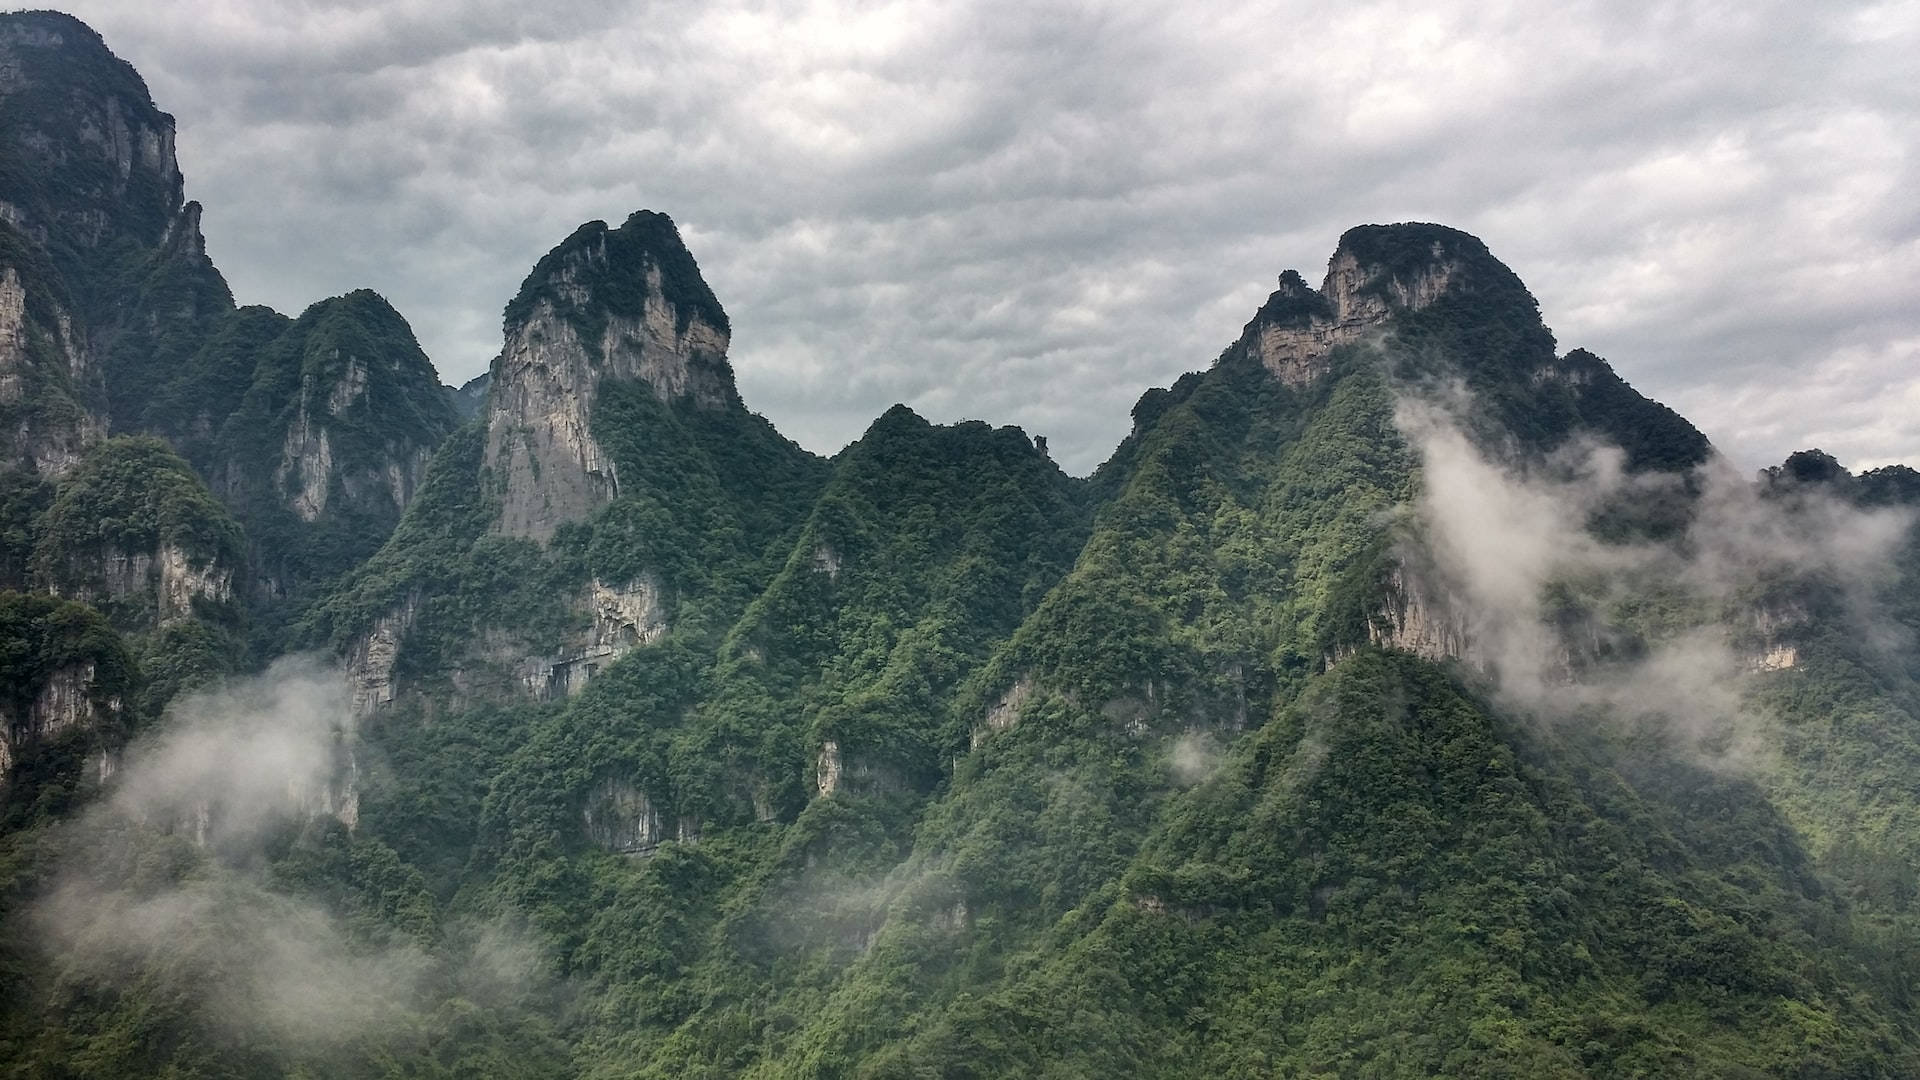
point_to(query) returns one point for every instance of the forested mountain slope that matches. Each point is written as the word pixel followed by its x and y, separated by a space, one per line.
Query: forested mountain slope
pixel 1404 697
pixel 315 431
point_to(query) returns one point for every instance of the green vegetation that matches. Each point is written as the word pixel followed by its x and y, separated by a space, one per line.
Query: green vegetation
pixel 133 496
pixel 339 415
pixel 108 534
pixel 937 762
pixel 44 639
pixel 614 268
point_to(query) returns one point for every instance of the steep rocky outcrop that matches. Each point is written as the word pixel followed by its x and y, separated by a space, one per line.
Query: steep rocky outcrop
pixel 167 579
pixel 838 772
pixel 91 178
pixel 1415 617
pixel 331 440
pixel 68 680
pixel 626 303
pixel 51 392
pixel 1295 332
pixel 133 531
pixel 66 702
pixel 371 658
pixel 620 817
pixel 623 617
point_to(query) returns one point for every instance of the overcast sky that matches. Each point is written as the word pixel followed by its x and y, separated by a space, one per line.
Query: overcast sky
pixel 1031 212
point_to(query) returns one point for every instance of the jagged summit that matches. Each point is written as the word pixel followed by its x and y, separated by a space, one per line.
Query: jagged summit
pixel 88 173
pixel 618 270
pixel 1376 271
pixel 626 304
pixel 89 155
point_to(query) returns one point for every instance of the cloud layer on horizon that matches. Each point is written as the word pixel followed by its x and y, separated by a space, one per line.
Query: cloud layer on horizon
pixel 1031 213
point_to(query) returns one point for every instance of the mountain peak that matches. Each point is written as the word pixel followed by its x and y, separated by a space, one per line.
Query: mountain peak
pixel 598 269
pixel 624 304
pixel 1410 266
pixel 1376 272
pixel 70 102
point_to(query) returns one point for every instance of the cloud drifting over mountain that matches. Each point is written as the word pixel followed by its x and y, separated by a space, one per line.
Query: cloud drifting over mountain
pixel 1031 213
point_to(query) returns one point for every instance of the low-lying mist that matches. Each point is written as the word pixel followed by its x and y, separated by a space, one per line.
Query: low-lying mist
pixel 1583 587
pixel 216 876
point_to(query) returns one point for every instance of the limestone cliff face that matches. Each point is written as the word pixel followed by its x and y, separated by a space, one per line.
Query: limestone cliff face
pixel 607 304
pixel 330 442
pixel 167 579
pixel 69 700
pixel 835 771
pixel 371 658
pixel 307 473
pixel 47 377
pixel 89 114
pixel 1004 714
pixel 622 818
pixel 1766 637
pixel 623 617
pixel 68 681
pixel 365 415
pixel 1414 617
pixel 105 199
pixel 1377 271
pixel 133 531
pixel 618 618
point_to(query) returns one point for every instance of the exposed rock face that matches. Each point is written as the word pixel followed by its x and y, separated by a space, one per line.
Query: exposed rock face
pixel 828 769
pixel 1763 640
pixel 106 201
pixel 67 701
pixel 1412 620
pixel 167 577
pixel 604 305
pixel 623 618
pixel 371 658
pixel 306 468
pixel 105 127
pixel 835 772
pixel 622 818
pixel 366 417
pixel 1003 714
pixel 1295 332
pixel 826 561
pixel 46 374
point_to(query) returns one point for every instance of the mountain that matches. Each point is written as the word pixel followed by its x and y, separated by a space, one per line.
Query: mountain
pixel 1405 696
pixel 315 430
pixel 90 177
pixel 619 488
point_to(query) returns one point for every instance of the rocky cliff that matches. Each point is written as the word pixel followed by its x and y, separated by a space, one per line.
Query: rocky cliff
pixel 607 304
pixel 90 176
pixel 64 692
pixel 132 530
pixel 52 395
pixel 330 442
pixel 1368 279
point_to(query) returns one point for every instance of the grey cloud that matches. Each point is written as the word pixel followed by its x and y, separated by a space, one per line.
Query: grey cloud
pixel 1031 213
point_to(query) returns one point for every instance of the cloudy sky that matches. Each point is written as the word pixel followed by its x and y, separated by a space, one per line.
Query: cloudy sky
pixel 1030 212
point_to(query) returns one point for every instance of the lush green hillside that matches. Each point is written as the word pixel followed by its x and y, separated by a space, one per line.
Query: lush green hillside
pixel 1405 697
pixel 944 763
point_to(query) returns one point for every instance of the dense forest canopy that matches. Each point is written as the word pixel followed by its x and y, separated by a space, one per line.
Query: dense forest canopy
pixel 1405 696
